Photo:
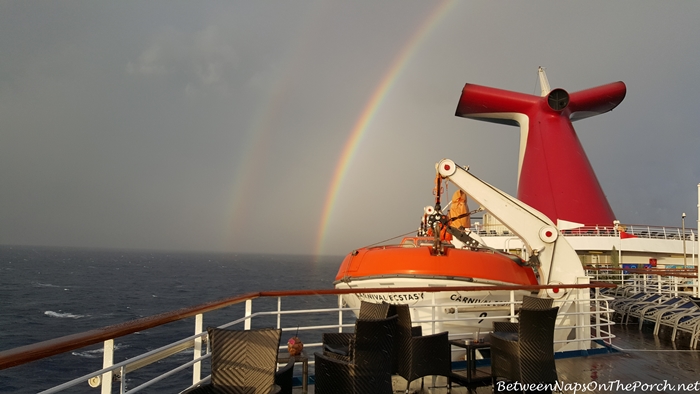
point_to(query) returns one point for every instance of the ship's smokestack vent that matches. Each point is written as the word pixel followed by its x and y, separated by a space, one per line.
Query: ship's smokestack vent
pixel 558 99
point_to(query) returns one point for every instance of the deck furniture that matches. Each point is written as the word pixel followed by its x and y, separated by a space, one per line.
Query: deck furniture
pixel 536 303
pixel 471 376
pixel 338 344
pixel 526 356
pixel 647 311
pixel 242 362
pixel 368 371
pixel 684 319
pixel 529 302
pixel 619 303
pixel 680 315
pixel 624 309
pixel 688 322
pixel 417 356
pixel 285 375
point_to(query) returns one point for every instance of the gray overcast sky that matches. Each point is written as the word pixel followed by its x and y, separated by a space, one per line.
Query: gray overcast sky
pixel 219 125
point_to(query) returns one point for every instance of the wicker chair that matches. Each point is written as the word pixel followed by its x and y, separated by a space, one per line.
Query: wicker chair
pixel 526 356
pixel 338 344
pixel 369 370
pixel 417 356
pixel 242 362
pixel 284 377
pixel 533 303
pixel 536 303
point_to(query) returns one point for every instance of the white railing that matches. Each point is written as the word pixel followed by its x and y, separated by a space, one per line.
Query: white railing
pixel 674 282
pixel 589 313
pixel 494 228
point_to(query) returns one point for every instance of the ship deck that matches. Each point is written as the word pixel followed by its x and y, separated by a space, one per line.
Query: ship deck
pixel 639 358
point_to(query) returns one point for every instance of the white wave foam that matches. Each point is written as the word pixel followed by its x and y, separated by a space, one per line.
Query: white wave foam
pixel 97 353
pixel 63 315
pixel 39 284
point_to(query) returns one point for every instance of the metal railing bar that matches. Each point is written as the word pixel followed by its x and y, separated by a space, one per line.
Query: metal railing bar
pixel 172 350
pixel 204 380
pixel 126 363
pixel 168 374
pixel 257 314
pixel 165 348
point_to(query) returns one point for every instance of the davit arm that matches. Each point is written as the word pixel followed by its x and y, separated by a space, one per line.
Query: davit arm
pixel 540 235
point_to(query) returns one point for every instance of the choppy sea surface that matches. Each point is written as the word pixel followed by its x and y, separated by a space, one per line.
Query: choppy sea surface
pixel 47 293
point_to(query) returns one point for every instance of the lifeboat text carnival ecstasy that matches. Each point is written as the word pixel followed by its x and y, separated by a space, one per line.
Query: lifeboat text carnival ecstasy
pixel 559 197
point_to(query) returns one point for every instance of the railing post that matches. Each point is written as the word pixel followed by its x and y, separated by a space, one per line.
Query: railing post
pixel 583 310
pixel 122 379
pixel 622 277
pixel 279 312
pixel 644 282
pixel 512 306
pixel 340 313
pixel 433 315
pixel 197 367
pixel 248 313
pixel 675 286
pixel 596 310
pixel 108 361
pixel 694 252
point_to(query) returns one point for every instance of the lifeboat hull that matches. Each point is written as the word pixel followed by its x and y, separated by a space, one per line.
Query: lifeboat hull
pixel 463 313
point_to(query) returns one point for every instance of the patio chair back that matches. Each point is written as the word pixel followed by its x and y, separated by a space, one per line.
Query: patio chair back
pixel 369 370
pixel 415 355
pixel 404 335
pixel 536 303
pixel 536 338
pixel 372 311
pixel 528 355
pixel 532 303
pixel 339 344
pixel 244 362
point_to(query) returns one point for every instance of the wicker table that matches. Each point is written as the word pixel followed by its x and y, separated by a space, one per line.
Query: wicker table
pixel 472 375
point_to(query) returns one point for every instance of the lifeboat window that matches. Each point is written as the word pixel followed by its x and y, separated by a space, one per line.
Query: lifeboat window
pixel 408 243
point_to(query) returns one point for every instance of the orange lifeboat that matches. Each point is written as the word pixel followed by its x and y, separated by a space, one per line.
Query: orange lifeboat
pixel 417 257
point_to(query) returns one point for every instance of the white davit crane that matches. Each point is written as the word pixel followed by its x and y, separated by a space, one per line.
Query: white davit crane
pixel 558 261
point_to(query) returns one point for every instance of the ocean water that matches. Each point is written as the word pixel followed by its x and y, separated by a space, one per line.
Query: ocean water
pixel 47 293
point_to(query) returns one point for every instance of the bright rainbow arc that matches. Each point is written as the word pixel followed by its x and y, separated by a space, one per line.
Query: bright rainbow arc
pixel 370 110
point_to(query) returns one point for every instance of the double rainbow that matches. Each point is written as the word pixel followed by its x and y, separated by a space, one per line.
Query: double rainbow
pixel 370 110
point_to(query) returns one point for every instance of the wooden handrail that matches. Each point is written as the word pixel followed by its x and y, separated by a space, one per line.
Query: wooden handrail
pixel 28 353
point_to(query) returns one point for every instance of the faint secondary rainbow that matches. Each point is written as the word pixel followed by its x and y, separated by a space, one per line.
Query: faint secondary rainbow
pixel 258 134
pixel 370 111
